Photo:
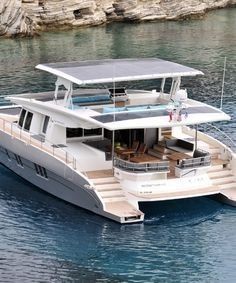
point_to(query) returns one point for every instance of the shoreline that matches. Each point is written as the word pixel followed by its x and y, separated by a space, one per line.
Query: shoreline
pixel 31 17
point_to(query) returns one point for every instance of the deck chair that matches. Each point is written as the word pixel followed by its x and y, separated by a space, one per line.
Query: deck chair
pixel 135 145
pixel 141 150
pixel 125 153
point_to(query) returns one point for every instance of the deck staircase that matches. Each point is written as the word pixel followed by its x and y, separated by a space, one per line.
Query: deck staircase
pixel 214 152
pixel 116 203
pixel 166 132
pixel 159 151
pixel 221 176
pixel 109 189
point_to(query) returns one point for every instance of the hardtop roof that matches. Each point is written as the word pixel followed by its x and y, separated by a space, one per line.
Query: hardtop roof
pixel 117 70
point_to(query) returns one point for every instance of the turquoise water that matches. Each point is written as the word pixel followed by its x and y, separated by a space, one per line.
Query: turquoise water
pixel 43 239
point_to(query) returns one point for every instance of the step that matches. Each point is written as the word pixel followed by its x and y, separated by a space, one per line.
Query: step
pixel 115 199
pixel 109 186
pixel 216 167
pixel 161 148
pixel 219 173
pixel 224 180
pixel 218 176
pixel 231 185
pixel 157 154
pixel 213 150
pixel 167 129
pixel 126 212
pixel 114 193
pixel 215 155
pixel 104 180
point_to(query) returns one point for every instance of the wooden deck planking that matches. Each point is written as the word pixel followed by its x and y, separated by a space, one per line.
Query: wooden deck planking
pixel 122 209
pixel 99 174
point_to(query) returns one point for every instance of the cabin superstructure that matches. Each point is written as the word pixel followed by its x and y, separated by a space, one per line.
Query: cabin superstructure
pixel 121 146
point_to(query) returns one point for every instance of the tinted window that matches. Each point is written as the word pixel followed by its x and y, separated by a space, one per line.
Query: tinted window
pixel 168 84
pixel 28 121
pixel 22 116
pixel 45 124
pixel 93 132
pixel 74 132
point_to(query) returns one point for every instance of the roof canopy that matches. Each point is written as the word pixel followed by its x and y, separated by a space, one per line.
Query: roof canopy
pixel 117 70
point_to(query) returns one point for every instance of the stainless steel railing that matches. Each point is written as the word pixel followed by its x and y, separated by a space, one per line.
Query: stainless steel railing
pixel 11 128
pixel 161 166
pixel 194 162
pixel 215 132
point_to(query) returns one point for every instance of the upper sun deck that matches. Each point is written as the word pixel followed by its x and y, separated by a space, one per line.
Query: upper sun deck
pixel 118 108
pixel 117 70
pixel 141 109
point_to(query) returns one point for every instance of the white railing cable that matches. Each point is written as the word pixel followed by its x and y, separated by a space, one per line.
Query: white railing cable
pixel 229 142
pixel 43 144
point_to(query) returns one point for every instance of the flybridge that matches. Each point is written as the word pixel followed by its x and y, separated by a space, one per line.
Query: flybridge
pixel 117 70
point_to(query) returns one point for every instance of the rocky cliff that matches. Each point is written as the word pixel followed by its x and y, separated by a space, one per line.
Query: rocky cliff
pixel 27 17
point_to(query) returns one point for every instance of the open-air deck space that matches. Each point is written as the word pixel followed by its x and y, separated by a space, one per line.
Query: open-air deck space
pixel 163 156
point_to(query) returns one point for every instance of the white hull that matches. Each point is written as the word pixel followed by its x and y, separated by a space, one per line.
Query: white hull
pixel 107 150
pixel 62 181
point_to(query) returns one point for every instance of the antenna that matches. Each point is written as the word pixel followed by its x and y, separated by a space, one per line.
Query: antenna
pixel 113 132
pixel 223 84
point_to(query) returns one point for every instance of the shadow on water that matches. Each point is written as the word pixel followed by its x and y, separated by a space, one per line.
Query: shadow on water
pixel 183 212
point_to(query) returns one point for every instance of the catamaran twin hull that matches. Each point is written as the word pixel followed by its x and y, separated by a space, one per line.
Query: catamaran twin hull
pixel 108 150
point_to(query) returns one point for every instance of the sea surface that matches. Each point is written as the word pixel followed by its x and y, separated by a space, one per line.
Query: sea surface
pixel 43 239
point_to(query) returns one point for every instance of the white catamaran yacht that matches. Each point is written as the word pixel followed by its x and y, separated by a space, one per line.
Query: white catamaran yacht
pixel 110 149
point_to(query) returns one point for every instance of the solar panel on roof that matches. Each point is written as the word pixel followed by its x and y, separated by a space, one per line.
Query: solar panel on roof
pixel 115 70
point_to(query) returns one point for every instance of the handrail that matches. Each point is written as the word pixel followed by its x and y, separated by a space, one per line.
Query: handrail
pixel 160 166
pixel 194 162
pixel 40 142
pixel 229 142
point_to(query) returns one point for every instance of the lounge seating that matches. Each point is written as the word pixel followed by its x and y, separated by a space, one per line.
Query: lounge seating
pixel 118 94
pixel 126 152
pixel 200 153
pixel 179 145
pixel 92 99
pixel 200 158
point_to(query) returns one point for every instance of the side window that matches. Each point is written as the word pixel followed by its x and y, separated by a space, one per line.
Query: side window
pixel 41 171
pixel 19 161
pixel 93 132
pixel 74 132
pixel 45 124
pixel 22 117
pixel 28 120
pixel 8 155
pixel 168 85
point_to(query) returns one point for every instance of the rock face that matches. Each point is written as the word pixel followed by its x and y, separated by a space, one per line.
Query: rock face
pixel 14 20
pixel 27 17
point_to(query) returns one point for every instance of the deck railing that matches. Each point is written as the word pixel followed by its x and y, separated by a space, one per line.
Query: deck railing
pixel 215 132
pixel 38 141
pixel 161 166
pixel 194 162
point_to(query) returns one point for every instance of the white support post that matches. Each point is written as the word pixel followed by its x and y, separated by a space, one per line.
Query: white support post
pixel 223 84
pixel 163 85
pixel 196 136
